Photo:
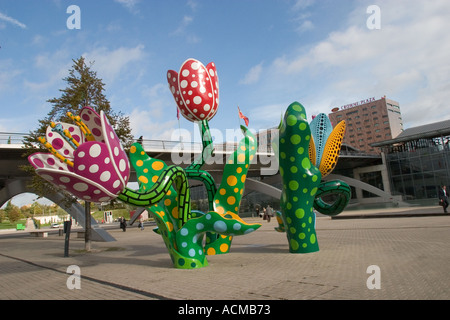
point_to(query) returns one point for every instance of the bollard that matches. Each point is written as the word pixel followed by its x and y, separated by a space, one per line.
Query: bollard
pixel 67 227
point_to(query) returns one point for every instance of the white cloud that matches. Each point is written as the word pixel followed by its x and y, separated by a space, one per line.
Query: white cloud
pixel 267 116
pixel 129 4
pixel 303 4
pixel 183 29
pixel 39 40
pixel 51 67
pixel 302 21
pixel 306 25
pixel 150 118
pixel 145 123
pixel 252 75
pixel 185 22
pixel 408 60
pixel 109 64
pixel 13 21
pixel 8 75
pixel 192 4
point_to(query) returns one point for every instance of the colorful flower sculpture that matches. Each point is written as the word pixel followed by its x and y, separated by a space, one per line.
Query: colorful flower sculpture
pixel 183 231
pixel 195 89
pixel 302 187
pixel 87 160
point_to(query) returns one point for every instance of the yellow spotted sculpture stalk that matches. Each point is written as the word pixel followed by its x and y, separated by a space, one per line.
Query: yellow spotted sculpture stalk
pixel 182 229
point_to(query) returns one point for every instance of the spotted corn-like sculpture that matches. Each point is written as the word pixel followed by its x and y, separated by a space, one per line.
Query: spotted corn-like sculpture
pixel 307 153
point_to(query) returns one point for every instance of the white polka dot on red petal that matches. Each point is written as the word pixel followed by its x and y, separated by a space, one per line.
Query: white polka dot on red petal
pixel 193 77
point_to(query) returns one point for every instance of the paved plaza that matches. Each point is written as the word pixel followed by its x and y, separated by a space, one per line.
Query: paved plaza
pixel 411 252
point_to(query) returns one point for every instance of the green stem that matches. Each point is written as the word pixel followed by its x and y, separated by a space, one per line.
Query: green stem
pixel 208 147
pixel 172 174
pixel 337 188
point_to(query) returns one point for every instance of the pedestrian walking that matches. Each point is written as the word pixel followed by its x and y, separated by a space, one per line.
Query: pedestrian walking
pixel 123 224
pixel 269 213
pixel 443 198
pixel 141 223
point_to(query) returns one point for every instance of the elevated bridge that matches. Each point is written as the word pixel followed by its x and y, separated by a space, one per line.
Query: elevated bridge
pixel 262 176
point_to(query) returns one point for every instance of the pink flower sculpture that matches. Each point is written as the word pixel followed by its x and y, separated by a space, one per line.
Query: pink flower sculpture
pixel 195 89
pixel 86 160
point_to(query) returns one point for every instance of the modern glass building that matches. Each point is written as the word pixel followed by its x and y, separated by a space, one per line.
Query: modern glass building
pixel 418 160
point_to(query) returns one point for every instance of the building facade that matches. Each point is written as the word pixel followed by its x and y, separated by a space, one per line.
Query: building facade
pixel 369 121
pixel 418 160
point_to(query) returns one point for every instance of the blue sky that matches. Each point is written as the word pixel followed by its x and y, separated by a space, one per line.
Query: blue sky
pixel 268 54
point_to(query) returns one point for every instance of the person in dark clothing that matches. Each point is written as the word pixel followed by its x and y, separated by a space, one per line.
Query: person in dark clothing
pixel 269 213
pixel 140 140
pixel 123 224
pixel 443 198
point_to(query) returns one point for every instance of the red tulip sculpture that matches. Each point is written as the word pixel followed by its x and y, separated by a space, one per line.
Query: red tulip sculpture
pixel 195 89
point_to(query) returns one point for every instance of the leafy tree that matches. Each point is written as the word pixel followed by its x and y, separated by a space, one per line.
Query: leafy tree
pixel 84 88
pixel 25 211
pixel 12 211
pixel 2 215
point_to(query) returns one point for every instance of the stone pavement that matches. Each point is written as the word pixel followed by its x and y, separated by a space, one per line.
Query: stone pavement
pixel 412 253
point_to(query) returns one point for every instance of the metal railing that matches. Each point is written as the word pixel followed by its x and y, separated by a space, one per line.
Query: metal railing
pixel 16 140
pixel 12 138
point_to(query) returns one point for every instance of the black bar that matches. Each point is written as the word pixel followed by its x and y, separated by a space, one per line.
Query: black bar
pixel 67 227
